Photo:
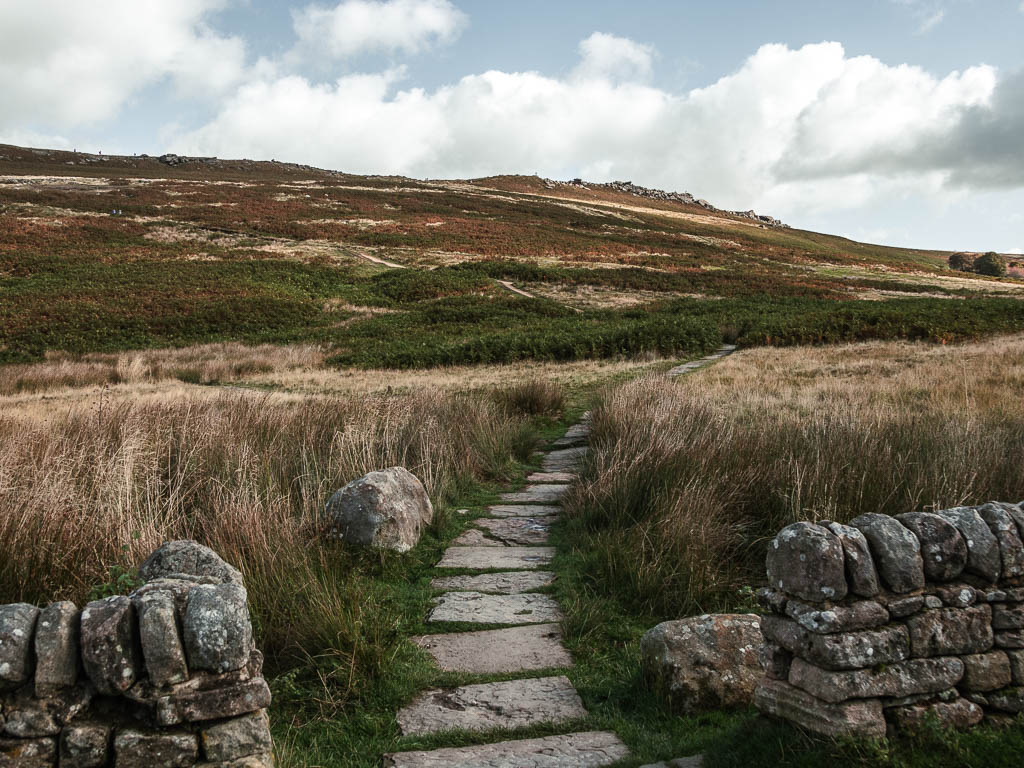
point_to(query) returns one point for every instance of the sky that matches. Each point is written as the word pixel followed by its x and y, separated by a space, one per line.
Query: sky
pixel 892 121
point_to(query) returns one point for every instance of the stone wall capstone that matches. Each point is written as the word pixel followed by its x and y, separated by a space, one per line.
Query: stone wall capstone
pixel 166 676
pixel 876 625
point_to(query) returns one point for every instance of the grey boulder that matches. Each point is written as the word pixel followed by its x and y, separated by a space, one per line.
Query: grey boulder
pixel 860 567
pixel 896 551
pixel 189 560
pixel 1004 528
pixel 387 509
pixel 983 557
pixel 56 646
pixel 111 654
pixel 943 549
pixel 217 628
pixel 806 560
pixel 17 625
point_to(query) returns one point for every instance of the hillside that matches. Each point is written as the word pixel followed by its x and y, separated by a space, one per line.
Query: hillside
pixel 102 253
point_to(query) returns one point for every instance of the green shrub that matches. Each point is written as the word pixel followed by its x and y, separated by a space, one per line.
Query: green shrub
pixel 991 264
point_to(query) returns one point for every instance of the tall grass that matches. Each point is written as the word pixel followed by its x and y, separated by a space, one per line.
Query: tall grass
pixel 688 479
pixel 249 476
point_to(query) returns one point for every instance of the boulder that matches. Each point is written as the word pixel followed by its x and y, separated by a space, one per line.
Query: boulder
pixel 191 561
pixel 983 557
pixel 896 551
pixel 986 671
pixel 387 509
pixel 806 560
pixel 217 628
pixel 943 549
pixel 861 573
pixel 951 631
pixel 17 627
pixel 904 678
pixel 1008 616
pixel 851 718
pixel 1003 527
pixel 56 646
pixel 705 662
pixel 111 654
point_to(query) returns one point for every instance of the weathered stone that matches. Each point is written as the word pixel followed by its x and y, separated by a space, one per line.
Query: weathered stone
pixel 705 662
pixel 111 654
pixel 475 538
pixel 775 661
pixel 943 549
pixel 148 749
pixel 895 550
pixel 931 601
pixel 1008 616
pixel 28 753
pixel 213 704
pixel 863 614
pixel 1016 658
pixel 861 574
pixel 478 608
pixel 496 651
pixel 1010 638
pixel 551 477
pixel 217 628
pixel 162 650
pixel 949 631
pixel 1007 700
pixel 509 583
pixel 536 494
pixel 387 509
pixel 188 560
pixel 982 547
pixel 959 713
pixel 861 717
pixel 518 531
pixel 259 760
pixel 56 648
pixel 958 596
pixel 497 557
pixel 573 750
pixel 239 737
pixel 1011 548
pixel 850 650
pixel 985 671
pixel 950 694
pixel 488 706
pixel 84 746
pixel 147 694
pixel 904 678
pixel 524 510
pixel 17 627
pixel 565 460
pixel 903 607
pixel 29 717
pixel 773 600
pixel 806 561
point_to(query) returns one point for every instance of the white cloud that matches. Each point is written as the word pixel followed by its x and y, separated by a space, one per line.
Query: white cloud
pixel 367 26
pixel 604 56
pixel 66 62
pixel 932 20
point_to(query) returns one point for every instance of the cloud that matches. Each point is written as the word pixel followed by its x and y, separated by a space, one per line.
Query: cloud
pixel 354 27
pixel 607 57
pixel 66 62
pixel 932 20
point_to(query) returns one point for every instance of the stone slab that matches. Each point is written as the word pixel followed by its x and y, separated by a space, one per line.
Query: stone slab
pixel 511 583
pixel 566 459
pixel 577 431
pixel 478 608
pixel 568 442
pixel 498 651
pixel 524 510
pixel 490 706
pixel 536 494
pixel 551 477
pixel 474 537
pixel 573 750
pixel 490 558
pixel 517 531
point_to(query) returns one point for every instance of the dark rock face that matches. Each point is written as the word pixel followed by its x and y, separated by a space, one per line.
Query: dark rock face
pixel 241 737
pixel 983 557
pixel 194 706
pixel 161 644
pixel 191 561
pixel 85 746
pixel 986 671
pixel 387 510
pixel 949 631
pixel 56 646
pixel 850 650
pixel 806 560
pixel 860 567
pixel 863 614
pixel 943 549
pixel 959 714
pixel 146 749
pixel 859 718
pixel 904 678
pixel 1003 527
pixel 111 654
pixel 22 753
pixel 896 551
pixel 17 627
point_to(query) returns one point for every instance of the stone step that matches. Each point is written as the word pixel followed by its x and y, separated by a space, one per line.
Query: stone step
pixel 573 750
pixel 478 608
pixel 517 531
pixel 493 558
pixel 490 706
pixel 498 651
pixel 511 583
pixel 568 442
pixel 476 538
pixel 577 431
pixel 566 459
pixel 524 510
pixel 536 494
pixel 551 477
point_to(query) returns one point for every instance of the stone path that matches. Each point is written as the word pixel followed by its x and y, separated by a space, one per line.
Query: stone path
pixel 724 351
pixel 508 552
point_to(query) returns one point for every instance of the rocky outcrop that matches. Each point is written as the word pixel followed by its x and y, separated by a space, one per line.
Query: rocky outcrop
pixel 166 676
pixel 387 509
pixel 941 635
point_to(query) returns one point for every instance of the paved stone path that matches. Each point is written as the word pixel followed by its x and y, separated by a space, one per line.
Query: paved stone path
pixel 508 550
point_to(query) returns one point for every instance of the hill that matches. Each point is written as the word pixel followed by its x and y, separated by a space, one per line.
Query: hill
pixel 106 253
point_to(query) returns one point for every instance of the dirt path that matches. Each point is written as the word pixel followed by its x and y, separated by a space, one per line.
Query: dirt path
pixel 724 351
pixel 508 286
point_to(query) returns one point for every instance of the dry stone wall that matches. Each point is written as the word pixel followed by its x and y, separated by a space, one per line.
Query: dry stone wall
pixel 878 624
pixel 166 676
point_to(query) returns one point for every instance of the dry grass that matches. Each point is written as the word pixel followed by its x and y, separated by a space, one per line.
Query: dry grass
pixel 689 478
